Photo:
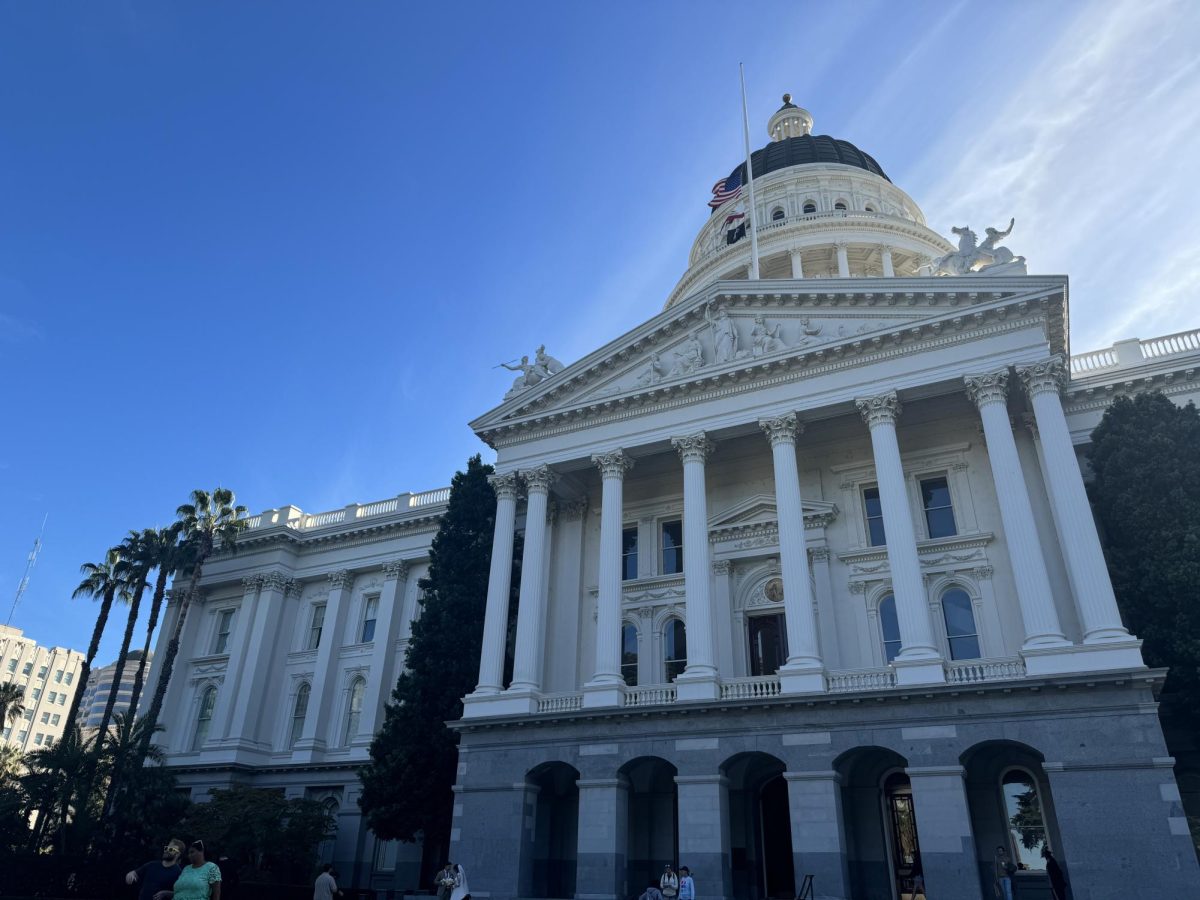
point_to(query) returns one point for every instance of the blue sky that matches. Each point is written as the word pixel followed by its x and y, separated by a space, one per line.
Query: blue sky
pixel 281 246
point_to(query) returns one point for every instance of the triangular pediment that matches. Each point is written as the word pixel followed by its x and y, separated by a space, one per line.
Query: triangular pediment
pixel 760 509
pixel 734 333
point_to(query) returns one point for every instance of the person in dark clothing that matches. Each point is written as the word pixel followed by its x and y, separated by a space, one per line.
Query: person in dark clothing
pixel 158 874
pixel 1058 881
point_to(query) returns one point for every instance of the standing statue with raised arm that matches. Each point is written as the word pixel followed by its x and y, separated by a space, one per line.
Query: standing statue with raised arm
pixel 1003 261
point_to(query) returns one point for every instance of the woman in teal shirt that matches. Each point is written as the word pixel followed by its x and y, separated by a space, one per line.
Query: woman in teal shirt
pixel 199 880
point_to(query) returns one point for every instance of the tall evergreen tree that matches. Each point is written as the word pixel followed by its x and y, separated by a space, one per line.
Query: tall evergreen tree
pixel 1146 459
pixel 414 757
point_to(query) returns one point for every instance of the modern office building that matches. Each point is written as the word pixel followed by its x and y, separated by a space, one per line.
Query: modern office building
pixel 47 675
pixel 100 686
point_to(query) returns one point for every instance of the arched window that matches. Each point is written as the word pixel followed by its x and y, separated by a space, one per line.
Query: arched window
pixel 629 654
pixel 1026 825
pixel 841 204
pixel 870 208
pixel 890 626
pixel 354 712
pixel 809 207
pixel 204 718
pixel 960 624
pixel 674 648
pixel 299 711
pixel 777 213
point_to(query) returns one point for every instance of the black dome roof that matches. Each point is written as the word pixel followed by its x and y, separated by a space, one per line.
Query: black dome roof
pixel 806 149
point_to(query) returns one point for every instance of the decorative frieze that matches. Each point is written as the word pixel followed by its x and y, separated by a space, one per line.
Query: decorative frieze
pixel 879 410
pixel 990 388
pixel 1046 377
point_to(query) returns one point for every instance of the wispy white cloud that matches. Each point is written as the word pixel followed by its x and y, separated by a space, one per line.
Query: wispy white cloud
pixel 1094 152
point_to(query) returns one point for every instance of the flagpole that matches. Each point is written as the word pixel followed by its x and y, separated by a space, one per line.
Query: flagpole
pixel 749 180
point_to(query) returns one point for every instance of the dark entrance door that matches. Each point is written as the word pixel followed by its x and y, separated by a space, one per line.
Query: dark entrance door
pixel 902 821
pixel 779 873
pixel 768 644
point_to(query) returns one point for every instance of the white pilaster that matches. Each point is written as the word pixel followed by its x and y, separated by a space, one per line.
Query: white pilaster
pixel 237 651
pixel 1042 629
pixel 797 264
pixel 803 672
pixel 495 617
pixel 390 625
pixel 919 661
pixel 1088 573
pixel 886 254
pixel 699 679
pixel 531 608
pixel 843 260
pixel 324 688
pixel 605 688
pixel 262 634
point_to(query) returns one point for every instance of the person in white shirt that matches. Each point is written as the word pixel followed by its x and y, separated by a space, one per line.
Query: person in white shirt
pixel 325 887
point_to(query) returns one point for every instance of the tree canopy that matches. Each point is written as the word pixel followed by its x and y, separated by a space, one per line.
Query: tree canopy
pixel 414 756
pixel 1146 459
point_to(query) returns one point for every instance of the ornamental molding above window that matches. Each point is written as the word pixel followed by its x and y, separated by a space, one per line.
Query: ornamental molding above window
pixel 953 554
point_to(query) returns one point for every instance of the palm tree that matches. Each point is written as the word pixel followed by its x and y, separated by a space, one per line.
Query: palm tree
pixel 209 523
pixel 10 762
pixel 12 703
pixel 58 773
pixel 158 549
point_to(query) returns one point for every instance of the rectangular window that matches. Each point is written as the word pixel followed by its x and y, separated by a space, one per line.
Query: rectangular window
pixel 53 696
pixel 629 554
pixel 54 719
pixel 27 669
pixel 12 665
pixel 874 511
pixel 62 699
pixel 8 732
pixel 42 671
pixel 37 694
pixel 37 738
pixel 370 615
pixel 49 739
pixel 70 677
pixel 224 625
pixel 939 514
pixel 672 548
pixel 28 715
pixel 318 623
pixel 58 677
pixel 21 735
pixel 45 718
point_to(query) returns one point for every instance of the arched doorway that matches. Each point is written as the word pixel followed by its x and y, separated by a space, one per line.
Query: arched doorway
pixel 1008 795
pixel 760 827
pixel 652 829
pixel 882 839
pixel 550 871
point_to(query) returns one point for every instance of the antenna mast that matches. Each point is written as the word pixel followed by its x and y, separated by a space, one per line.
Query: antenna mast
pixel 32 561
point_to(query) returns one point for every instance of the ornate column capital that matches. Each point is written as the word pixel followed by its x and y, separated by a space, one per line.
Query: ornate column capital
pixel 721 567
pixel 886 248
pixel 1046 377
pixel 539 479
pixel 782 429
pixel 989 388
pixel 694 447
pixel 575 510
pixel 879 410
pixel 506 485
pixel 342 578
pixel 276 580
pixel 252 583
pixel 397 568
pixel 613 464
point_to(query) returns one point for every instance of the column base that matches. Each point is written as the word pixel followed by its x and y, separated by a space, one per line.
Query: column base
pixel 1084 658
pixel 697 686
pixel 519 703
pixel 919 671
pixel 802 679
pixel 599 694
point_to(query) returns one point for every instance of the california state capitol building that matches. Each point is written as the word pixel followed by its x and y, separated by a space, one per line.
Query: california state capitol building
pixel 811 587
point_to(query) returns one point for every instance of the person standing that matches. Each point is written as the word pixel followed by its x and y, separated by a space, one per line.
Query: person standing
pixel 669 883
pixel 460 891
pixel 230 879
pixel 687 887
pixel 1058 881
pixel 1004 872
pixel 158 875
pixel 445 881
pixel 325 887
pixel 199 880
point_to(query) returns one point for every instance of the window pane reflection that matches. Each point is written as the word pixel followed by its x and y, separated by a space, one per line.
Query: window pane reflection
pixel 1026 826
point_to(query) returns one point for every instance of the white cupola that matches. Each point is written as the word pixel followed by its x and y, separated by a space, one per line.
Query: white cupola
pixel 790 121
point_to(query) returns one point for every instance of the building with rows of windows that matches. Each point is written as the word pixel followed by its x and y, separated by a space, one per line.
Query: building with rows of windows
pixel 47 675
pixel 811 588
pixel 101 683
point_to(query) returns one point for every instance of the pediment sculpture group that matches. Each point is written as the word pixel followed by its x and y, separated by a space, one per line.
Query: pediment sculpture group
pixel 988 258
pixel 532 373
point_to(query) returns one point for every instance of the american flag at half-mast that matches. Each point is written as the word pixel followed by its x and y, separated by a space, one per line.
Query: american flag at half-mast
pixel 727 189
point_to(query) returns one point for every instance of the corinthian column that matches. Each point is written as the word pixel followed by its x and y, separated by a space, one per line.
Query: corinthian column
pixel 803 671
pixel 919 661
pixel 495 617
pixel 1086 567
pixel 699 679
pixel 990 393
pixel 605 687
pixel 531 608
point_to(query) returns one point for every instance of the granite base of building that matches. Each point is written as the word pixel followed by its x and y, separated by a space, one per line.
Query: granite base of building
pixel 863 793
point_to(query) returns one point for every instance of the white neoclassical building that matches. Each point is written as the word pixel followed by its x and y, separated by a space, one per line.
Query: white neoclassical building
pixel 811 587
